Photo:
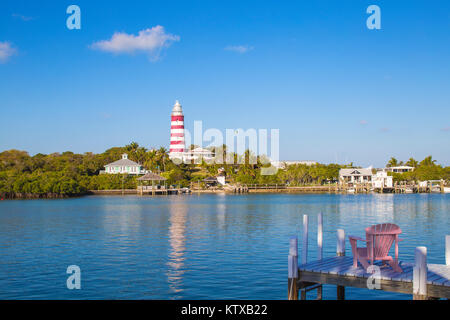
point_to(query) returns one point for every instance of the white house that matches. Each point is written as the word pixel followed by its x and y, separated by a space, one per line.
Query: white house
pixel 355 175
pixel 286 163
pixel 124 165
pixel 400 169
pixel 382 180
pixel 198 153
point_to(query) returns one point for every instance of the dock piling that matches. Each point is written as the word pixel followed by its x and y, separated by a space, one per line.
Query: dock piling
pixel 420 274
pixel 319 236
pixel 340 252
pixel 304 250
pixel 293 269
pixel 305 239
pixel 319 248
pixel 340 248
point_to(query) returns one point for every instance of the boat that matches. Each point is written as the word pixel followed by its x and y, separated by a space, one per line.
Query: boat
pixel 408 190
pixel 435 189
pixel 446 189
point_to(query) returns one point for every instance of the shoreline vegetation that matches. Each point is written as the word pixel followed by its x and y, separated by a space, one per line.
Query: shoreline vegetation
pixel 67 174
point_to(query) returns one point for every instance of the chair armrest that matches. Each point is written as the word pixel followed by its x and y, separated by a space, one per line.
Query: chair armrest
pixel 358 238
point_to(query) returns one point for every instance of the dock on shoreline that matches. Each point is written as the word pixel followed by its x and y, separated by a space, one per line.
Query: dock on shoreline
pixel 136 192
pixel 422 280
pixel 263 189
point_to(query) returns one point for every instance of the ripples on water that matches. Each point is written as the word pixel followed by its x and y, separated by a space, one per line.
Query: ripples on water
pixel 194 247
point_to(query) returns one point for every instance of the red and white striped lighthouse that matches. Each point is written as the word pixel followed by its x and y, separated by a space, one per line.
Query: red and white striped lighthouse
pixel 177 147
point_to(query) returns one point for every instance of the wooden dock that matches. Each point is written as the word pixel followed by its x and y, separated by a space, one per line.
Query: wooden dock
pixel 339 271
pixel 137 191
pixel 423 281
pixel 157 191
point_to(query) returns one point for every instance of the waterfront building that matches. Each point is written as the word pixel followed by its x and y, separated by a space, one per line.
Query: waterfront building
pixel 363 175
pixel 286 163
pixel 382 180
pixel 198 153
pixel 157 182
pixel 177 146
pixel 124 165
pixel 400 169
pixel 210 181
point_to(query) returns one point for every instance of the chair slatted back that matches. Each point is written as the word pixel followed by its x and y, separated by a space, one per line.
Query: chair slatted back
pixel 381 237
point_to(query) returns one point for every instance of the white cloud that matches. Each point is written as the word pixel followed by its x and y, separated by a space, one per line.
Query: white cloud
pixel 239 49
pixel 6 51
pixel 149 41
pixel 363 122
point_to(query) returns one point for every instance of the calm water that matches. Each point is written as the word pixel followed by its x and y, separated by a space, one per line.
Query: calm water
pixel 193 247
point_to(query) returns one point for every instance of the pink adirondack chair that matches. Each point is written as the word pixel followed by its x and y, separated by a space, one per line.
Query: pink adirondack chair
pixel 379 240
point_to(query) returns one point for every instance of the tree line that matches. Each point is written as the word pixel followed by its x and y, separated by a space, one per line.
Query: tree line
pixel 427 169
pixel 71 174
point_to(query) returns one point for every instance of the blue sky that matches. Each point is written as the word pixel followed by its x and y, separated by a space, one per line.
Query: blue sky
pixel 337 91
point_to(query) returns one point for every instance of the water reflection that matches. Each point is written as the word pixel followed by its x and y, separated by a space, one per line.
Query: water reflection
pixel 382 208
pixel 375 208
pixel 171 247
pixel 177 242
pixel 221 209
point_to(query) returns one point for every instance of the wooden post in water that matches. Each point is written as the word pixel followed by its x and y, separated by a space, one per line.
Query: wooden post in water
pixel 319 248
pixel 293 269
pixel 420 274
pixel 305 239
pixel 319 236
pixel 304 249
pixel 447 250
pixel 340 248
pixel 340 252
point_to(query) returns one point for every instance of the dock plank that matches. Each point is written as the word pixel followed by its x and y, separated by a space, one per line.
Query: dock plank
pixel 438 274
pixel 316 264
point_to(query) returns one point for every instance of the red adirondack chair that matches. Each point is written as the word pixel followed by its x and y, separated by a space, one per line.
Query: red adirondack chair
pixel 379 240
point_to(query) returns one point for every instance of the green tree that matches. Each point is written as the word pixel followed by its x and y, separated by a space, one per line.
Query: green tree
pixel 392 162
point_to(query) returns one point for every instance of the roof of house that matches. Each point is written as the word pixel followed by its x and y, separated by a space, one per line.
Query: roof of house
pixel 123 162
pixel 150 176
pixel 356 172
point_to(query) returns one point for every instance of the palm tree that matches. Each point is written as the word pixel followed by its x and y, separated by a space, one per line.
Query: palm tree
pixel 392 162
pixel 412 162
pixel 162 157
pixel 132 147
pixel 428 161
pixel 150 161
pixel 140 154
